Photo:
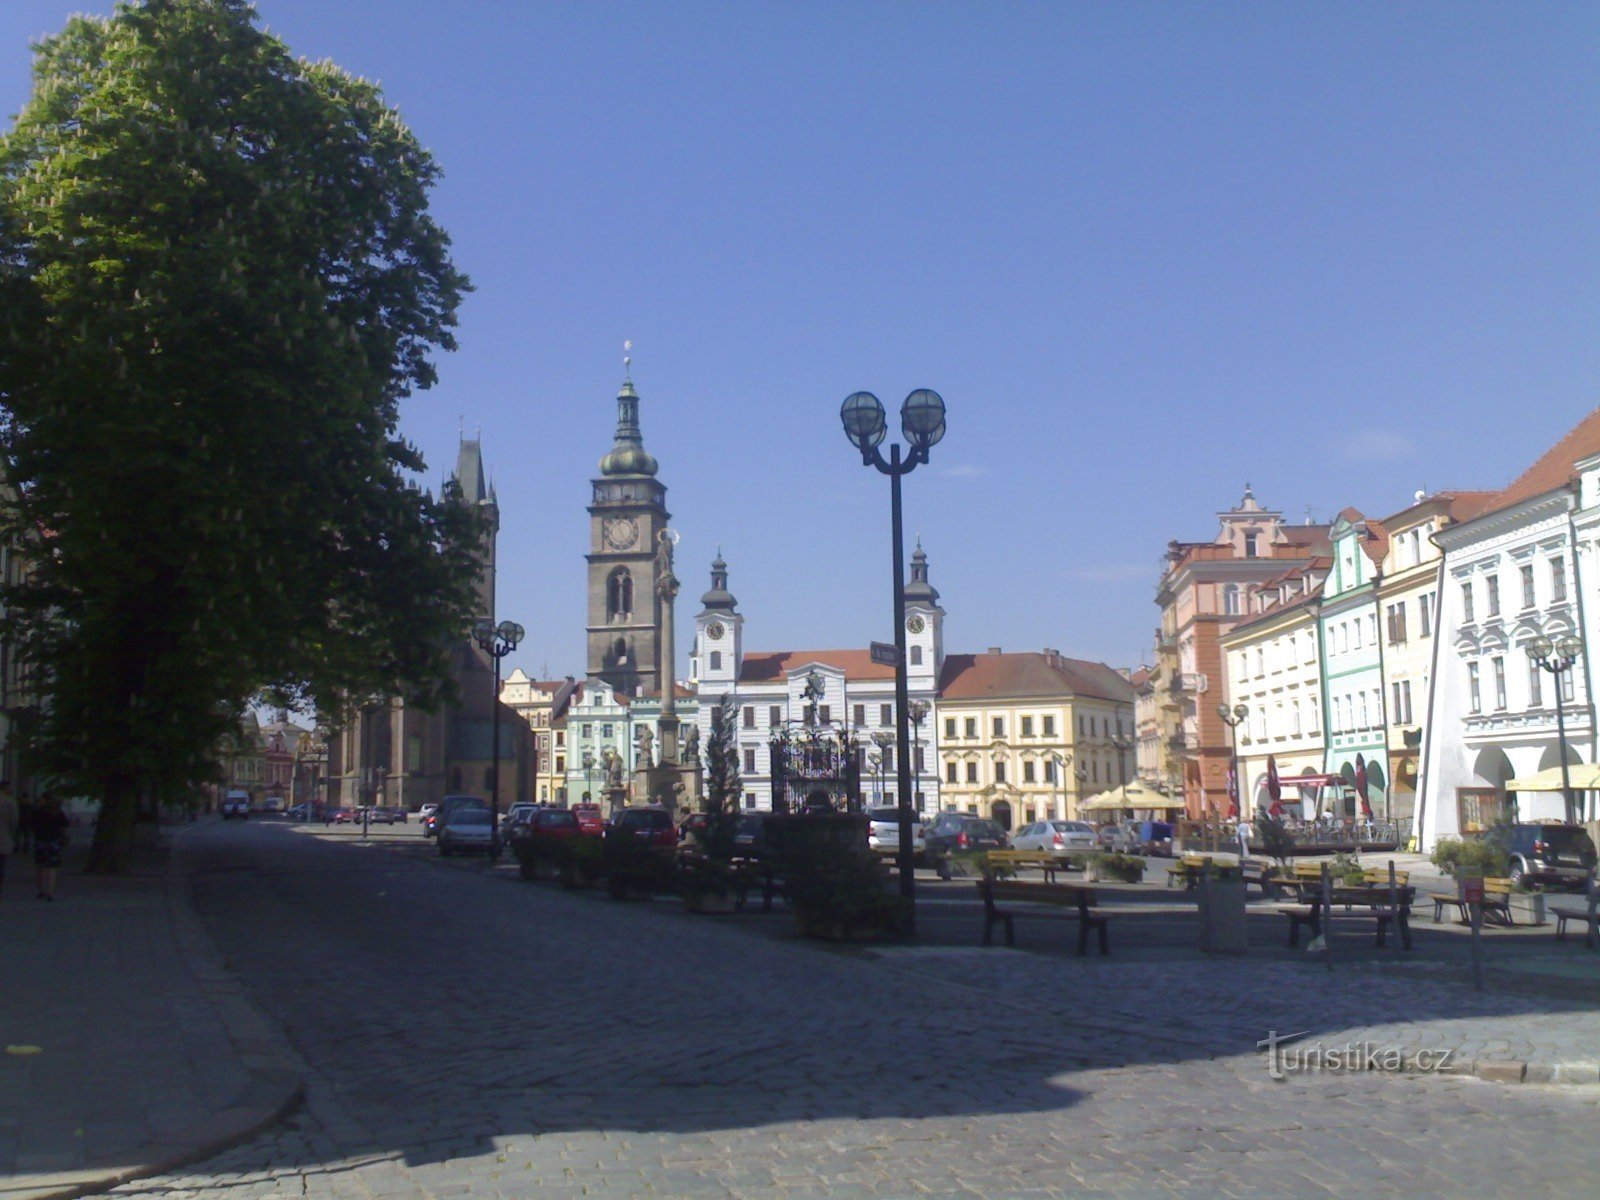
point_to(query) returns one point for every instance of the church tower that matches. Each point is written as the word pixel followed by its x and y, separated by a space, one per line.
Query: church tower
pixel 627 515
pixel 477 491
pixel 924 626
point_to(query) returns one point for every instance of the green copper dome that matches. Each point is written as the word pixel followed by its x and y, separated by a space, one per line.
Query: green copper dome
pixel 628 456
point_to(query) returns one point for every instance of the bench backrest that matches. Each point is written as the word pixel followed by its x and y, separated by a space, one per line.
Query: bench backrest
pixel 1308 870
pixel 1019 856
pixel 1382 877
pixel 1494 886
pixel 1066 894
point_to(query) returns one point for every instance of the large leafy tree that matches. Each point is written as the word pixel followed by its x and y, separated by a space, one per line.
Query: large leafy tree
pixel 218 280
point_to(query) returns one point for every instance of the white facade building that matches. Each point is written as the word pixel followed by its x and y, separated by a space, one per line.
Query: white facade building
pixel 1509 575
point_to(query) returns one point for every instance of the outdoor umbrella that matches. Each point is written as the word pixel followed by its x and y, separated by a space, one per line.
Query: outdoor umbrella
pixel 1233 794
pixel 1361 786
pixel 1274 788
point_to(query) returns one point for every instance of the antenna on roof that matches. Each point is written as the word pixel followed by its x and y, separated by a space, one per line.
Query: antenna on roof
pixel 1309 521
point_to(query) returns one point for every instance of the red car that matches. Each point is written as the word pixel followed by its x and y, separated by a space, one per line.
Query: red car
pixel 652 826
pixel 345 816
pixel 590 819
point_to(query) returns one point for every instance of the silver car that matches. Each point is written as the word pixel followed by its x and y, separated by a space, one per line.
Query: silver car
pixel 1061 838
pixel 883 832
pixel 469 831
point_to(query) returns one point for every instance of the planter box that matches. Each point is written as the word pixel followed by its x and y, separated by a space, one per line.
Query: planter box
pixel 1527 908
pixel 708 902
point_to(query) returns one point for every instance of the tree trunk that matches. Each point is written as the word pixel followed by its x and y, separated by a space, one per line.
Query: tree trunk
pixel 113 832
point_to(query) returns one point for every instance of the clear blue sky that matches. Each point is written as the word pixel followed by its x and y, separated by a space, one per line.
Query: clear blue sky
pixel 1145 251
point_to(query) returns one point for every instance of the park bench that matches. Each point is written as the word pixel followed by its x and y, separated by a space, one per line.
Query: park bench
pixel 1361 903
pixel 1061 895
pixel 1187 870
pixel 1016 860
pixel 1496 901
pixel 1563 914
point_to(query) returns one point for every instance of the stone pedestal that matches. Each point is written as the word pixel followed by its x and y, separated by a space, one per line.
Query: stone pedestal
pixel 673 788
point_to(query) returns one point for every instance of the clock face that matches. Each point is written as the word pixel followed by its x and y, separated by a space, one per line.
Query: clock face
pixel 714 630
pixel 916 625
pixel 620 532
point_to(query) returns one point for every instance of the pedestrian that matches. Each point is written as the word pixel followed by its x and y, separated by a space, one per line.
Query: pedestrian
pixel 49 839
pixel 1244 838
pixel 10 827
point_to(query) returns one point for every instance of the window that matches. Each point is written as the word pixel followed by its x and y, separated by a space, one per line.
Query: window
pixel 1249 545
pixel 972 727
pixel 750 762
pixel 950 727
pixel 1528 599
pixel 888 759
pixel 749 799
pixel 1566 686
pixel 1261 662
pixel 1499 683
pixel 1230 600
pixel 588 731
pixel 619 595
pixel 749 717
pixel 1493 584
pixel 1355 634
pixel 774 716
pixel 1396 616
pixel 716 660
pixel 1474 696
pixel 561 764
pixel 916 656
pixel 1094 770
pixel 716 715
pixel 414 752
pixel 1081 727
pixel 1027 726
pixel 1425 603
pixel 972 772
pixel 1466 603
pixel 885 714
pixel 1558 580
pixel 999 724
pixel 1000 770
pixel 1314 709
pixel 950 772
pixel 861 714
pixel 1049 727
pixel 605 731
pixel 1049 770
pixel 1294 714
pixel 1027 771
pixel 1365 716
pixel 824 713
pixel 1535 685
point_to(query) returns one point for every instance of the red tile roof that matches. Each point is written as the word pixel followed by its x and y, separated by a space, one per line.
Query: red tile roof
pixel 1554 467
pixel 769 665
pixel 1013 676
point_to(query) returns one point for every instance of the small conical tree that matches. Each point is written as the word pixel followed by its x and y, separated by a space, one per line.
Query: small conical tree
pixel 723 783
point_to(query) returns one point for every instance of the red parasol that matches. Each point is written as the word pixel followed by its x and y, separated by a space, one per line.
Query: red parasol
pixel 1274 788
pixel 1361 786
pixel 1233 794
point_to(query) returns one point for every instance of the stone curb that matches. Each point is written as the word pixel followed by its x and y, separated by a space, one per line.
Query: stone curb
pixel 276 1087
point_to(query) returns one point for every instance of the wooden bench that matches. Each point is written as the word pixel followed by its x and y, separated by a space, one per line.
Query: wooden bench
pixel 1016 860
pixel 1187 870
pixel 1061 895
pixel 1363 903
pixel 1563 914
pixel 1496 902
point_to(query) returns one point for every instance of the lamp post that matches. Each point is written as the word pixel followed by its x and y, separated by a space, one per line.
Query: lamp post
pixel 1123 745
pixel 496 641
pixel 875 761
pixel 1557 657
pixel 1233 720
pixel 922 423
pixel 919 714
pixel 1061 762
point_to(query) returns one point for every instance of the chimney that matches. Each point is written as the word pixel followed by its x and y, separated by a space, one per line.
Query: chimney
pixel 993 650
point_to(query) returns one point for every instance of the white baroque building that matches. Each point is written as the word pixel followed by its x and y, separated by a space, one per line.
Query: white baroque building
pixel 1510 574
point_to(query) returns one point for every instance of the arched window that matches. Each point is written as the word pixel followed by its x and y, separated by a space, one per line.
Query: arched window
pixel 716 660
pixel 619 652
pixel 916 656
pixel 619 595
pixel 1230 600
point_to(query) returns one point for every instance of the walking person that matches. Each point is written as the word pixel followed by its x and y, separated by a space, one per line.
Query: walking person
pixel 49 840
pixel 10 828
pixel 1244 839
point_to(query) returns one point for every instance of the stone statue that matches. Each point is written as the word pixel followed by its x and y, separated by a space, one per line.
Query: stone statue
pixel 613 762
pixel 666 582
pixel 690 755
pixel 645 739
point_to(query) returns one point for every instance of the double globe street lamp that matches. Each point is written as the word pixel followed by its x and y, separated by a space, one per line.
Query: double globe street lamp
pixel 1233 719
pixel 1557 657
pixel 922 423
pixel 496 641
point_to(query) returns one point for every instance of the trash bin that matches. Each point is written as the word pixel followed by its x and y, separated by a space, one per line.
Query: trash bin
pixel 1222 926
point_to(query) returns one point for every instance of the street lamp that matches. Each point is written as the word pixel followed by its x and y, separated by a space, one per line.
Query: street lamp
pixel 919 714
pixel 884 741
pixel 1123 745
pixel 496 641
pixel 922 423
pixel 1558 657
pixel 1233 720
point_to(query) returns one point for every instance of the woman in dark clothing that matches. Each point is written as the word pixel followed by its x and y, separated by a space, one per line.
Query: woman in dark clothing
pixel 49 838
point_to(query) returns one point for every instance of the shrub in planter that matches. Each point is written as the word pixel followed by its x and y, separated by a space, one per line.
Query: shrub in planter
pixel 636 871
pixel 1486 856
pixel 580 861
pixel 840 890
pixel 1125 868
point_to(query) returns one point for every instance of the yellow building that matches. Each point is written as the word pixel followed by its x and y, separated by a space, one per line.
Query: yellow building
pixel 1024 737
pixel 543 704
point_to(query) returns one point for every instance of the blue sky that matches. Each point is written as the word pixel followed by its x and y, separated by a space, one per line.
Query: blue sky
pixel 1145 252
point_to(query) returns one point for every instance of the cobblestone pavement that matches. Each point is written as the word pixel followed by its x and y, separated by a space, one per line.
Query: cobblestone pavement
pixel 468 1034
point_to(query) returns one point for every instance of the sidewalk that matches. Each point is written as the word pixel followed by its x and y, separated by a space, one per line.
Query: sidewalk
pixel 125 1047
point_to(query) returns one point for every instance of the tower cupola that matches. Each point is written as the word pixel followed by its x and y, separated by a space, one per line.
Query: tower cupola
pixel 628 455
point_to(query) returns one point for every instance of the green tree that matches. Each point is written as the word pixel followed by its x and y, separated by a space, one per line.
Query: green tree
pixel 724 786
pixel 218 281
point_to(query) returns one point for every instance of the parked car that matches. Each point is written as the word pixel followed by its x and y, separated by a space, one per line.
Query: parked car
pixel 952 831
pixel 430 826
pixel 1153 837
pixel 236 804
pixel 883 833
pixel 300 812
pixel 515 824
pixel 546 827
pixel 1550 854
pixel 468 830
pixel 1118 839
pixel 653 826
pixel 346 816
pixel 590 818
pixel 749 837
pixel 385 816
pixel 1060 838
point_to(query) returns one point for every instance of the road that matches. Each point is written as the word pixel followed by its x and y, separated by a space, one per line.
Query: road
pixel 466 1033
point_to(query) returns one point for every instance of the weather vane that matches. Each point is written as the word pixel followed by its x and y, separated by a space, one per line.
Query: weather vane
pixel 627 361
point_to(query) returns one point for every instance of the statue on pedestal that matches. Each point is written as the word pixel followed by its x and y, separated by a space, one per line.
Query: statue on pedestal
pixel 690 756
pixel 645 740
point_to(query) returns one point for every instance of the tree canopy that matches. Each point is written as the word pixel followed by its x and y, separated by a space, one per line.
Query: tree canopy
pixel 218 281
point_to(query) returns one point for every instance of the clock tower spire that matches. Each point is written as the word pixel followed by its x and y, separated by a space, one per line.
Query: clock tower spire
pixel 627 514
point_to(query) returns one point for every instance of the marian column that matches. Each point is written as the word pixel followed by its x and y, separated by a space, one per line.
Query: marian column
pixel 667 590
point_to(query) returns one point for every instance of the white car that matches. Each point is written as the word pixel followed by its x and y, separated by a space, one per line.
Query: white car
pixel 883 832
pixel 1061 838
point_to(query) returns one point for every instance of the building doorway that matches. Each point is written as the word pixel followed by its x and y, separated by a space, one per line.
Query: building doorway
pixel 1001 812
